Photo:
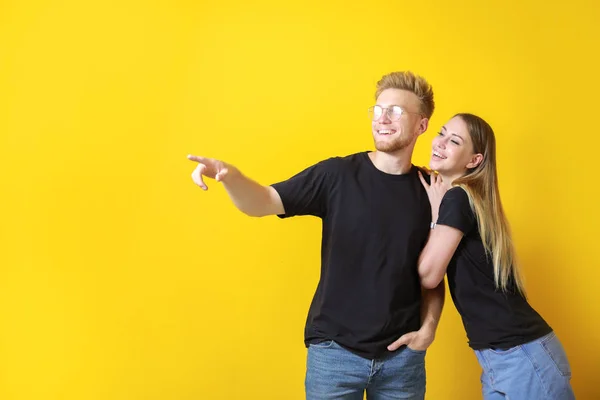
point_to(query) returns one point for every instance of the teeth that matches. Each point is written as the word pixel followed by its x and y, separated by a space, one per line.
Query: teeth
pixel 384 132
pixel 435 153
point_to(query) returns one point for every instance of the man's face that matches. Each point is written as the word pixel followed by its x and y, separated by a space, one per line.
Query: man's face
pixel 397 120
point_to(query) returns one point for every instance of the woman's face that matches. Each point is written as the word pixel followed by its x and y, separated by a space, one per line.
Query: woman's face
pixel 452 153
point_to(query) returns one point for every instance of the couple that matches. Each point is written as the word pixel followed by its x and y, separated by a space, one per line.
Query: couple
pixel 390 234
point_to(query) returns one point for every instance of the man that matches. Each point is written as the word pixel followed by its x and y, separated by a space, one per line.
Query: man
pixel 366 327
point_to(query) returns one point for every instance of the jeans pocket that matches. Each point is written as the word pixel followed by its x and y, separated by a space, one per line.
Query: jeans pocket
pixel 556 352
pixel 504 351
pixel 420 352
pixel 322 345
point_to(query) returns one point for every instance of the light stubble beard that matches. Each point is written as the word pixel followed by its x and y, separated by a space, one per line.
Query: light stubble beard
pixel 400 143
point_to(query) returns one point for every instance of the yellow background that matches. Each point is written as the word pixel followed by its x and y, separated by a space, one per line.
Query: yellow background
pixel 120 279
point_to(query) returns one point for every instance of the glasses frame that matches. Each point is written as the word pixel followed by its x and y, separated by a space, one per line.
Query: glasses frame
pixel 388 112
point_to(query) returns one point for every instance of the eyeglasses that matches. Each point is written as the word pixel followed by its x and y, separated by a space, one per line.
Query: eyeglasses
pixel 393 113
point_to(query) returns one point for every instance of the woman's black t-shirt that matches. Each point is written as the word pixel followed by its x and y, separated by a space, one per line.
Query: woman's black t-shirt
pixel 492 318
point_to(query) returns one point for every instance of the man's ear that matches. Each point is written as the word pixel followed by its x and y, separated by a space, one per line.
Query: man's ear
pixel 423 125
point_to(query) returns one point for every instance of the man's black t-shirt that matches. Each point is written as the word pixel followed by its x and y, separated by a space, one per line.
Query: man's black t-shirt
pixel 492 318
pixel 374 227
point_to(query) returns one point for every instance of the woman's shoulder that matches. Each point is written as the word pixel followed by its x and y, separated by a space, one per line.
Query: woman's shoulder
pixel 456 193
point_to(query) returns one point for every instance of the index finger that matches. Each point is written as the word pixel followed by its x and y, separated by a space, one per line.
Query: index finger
pixel 196 158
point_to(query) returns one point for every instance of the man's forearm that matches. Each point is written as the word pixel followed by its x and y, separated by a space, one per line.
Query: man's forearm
pixel 249 196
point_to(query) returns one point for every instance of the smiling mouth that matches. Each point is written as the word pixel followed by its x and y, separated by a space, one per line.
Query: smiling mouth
pixel 438 156
pixel 386 132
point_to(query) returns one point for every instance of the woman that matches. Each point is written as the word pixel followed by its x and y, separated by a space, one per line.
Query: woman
pixel 521 357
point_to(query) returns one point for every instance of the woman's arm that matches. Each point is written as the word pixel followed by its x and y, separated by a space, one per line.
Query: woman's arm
pixel 443 240
pixel 435 257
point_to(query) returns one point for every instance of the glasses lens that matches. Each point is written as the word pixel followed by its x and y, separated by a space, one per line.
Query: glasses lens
pixel 375 112
pixel 395 113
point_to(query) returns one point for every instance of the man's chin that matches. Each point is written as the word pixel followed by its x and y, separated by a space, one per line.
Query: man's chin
pixel 386 147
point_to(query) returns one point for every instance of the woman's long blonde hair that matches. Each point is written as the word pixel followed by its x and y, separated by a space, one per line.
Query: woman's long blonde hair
pixel 481 185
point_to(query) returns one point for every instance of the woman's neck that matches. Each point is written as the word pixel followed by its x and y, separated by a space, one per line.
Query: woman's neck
pixel 449 177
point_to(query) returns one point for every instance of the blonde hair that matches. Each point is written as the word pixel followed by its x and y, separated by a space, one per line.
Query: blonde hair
pixel 481 185
pixel 406 80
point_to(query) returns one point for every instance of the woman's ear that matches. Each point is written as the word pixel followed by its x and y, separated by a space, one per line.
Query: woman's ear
pixel 475 161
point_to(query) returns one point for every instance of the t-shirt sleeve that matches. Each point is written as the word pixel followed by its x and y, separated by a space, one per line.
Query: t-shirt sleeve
pixel 306 193
pixel 455 211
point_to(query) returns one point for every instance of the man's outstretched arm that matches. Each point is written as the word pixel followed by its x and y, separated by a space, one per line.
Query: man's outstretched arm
pixel 249 196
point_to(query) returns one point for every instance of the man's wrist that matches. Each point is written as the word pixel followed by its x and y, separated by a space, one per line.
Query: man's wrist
pixel 429 325
pixel 232 174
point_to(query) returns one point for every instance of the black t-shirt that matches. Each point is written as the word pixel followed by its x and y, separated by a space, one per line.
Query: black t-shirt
pixel 492 318
pixel 374 227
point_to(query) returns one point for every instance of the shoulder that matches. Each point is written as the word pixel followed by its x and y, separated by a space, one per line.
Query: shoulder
pixel 457 194
pixel 456 211
pixel 456 199
pixel 424 173
pixel 355 158
pixel 342 162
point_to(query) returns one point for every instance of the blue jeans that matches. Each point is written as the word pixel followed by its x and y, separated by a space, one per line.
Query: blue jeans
pixel 333 372
pixel 538 370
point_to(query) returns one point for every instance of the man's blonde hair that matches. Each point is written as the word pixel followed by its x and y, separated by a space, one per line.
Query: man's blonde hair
pixel 406 80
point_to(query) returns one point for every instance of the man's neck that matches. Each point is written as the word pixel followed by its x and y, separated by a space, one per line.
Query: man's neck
pixel 397 163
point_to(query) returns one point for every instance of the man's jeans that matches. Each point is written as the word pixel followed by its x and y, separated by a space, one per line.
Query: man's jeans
pixel 333 372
